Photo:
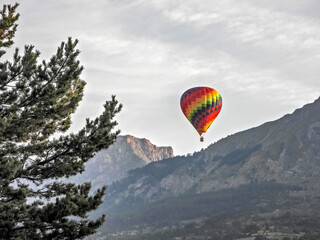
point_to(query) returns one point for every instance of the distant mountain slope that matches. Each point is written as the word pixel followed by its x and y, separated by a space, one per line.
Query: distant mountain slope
pixel 285 152
pixel 125 154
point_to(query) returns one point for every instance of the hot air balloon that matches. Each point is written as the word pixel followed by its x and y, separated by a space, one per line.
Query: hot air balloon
pixel 201 106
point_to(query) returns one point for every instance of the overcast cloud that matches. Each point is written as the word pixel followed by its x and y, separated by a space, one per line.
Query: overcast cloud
pixel 262 56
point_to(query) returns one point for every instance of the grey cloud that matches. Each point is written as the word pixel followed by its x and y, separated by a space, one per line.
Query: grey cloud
pixel 146 21
pixel 308 9
pixel 256 53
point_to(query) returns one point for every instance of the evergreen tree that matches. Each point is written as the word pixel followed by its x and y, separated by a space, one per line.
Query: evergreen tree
pixel 36 101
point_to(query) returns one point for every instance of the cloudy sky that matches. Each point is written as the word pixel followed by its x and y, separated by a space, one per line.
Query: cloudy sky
pixel 262 56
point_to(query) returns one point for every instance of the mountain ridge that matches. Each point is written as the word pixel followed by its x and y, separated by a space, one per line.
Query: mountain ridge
pixel 283 151
pixel 267 170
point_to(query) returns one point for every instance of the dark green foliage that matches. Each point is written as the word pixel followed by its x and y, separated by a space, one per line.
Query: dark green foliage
pixel 230 227
pixel 238 156
pixel 246 199
pixel 36 102
pixel 159 170
pixel 260 237
pixel 8 26
pixel 154 171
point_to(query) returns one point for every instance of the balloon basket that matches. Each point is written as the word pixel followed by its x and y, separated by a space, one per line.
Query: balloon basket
pixel 201 139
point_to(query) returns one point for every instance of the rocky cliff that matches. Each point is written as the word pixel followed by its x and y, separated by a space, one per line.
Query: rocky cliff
pixel 125 154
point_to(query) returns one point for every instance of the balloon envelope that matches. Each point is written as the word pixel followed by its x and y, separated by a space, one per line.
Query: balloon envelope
pixel 201 106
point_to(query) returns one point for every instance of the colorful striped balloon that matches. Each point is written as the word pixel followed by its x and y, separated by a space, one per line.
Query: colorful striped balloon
pixel 201 106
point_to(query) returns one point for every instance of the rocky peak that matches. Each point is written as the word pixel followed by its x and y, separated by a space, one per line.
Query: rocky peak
pixel 145 150
pixel 125 154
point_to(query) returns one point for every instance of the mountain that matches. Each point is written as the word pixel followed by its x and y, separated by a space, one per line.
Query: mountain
pixel 125 154
pixel 269 167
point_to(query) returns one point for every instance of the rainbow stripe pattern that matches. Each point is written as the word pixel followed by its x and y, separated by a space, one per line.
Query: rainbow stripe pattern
pixel 201 106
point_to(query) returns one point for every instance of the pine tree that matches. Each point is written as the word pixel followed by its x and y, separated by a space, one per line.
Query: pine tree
pixel 36 102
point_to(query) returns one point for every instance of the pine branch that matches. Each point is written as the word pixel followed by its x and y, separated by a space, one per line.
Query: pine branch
pixel 8 26
pixel 36 101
